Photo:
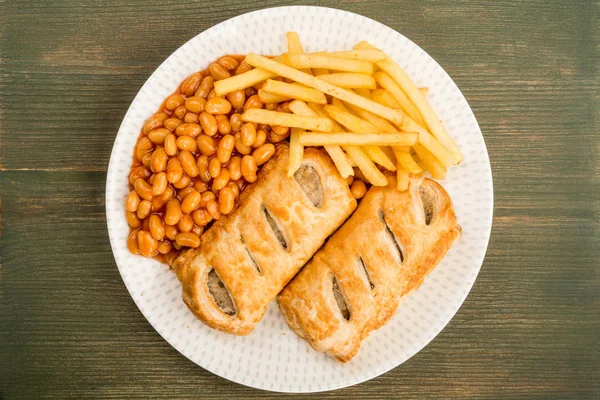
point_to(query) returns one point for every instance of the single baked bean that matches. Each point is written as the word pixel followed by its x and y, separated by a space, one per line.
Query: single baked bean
pixel 234 188
pixel 185 181
pixel 214 167
pixel 213 209
pixel 237 98
pixel 263 127
pixel 174 170
pixel 202 164
pixel 225 148
pixel 164 247
pixel 263 153
pixel 188 163
pixel 226 201
pixel 250 91
pixel 249 168
pixel 173 212
pixel 248 134
pixel 235 172
pixel 207 84
pixel 132 243
pixel 201 217
pixel 151 179
pixel 195 104
pixel 180 111
pixel 147 159
pixel 158 202
pixel 157 227
pixel 182 194
pixel 191 83
pixel 185 223
pixel 191 201
pixel 144 209
pixel 188 129
pixel 188 239
pixel 173 101
pixel 143 189
pixel 158 135
pixel 350 179
pixel 160 184
pixel 132 201
pixel 229 63
pixel 236 122
pixel 206 145
pixel 138 172
pixel 358 189
pixel 280 130
pixel 240 146
pixel 244 67
pixel 200 186
pixel 275 138
pixel 206 197
pixel 211 95
pixel 147 244
pixel 221 181
pixel 271 106
pixel 171 231
pixel 284 107
pixel 143 147
pixel 259 85
pixel 209 125
pixel 218 72
pixel 186 143
pixel 132 219
pixel 261 138
pixel 223 125
pixel 253 102
pixel 154 122
pixel 197 230
pixel 190 117
pixel 172 123
pixel 217 105
pixel 158 163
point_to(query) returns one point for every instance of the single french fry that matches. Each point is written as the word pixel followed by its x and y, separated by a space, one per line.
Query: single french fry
pixel 351 161
pixel 395 116
pixel 339 104
pixel 350 80
pixel 408 86
pixel 366 166
pixel 268 117
pixel 242 81
pixel 384 97
pixel 381 124
pixel 320 71
pixel 358 139
pixel 391 86
pixel 294 91
pixel 432 164
pixel 372 55
pixel 366 93
pixel 299 107
pixel 401 179
pixel 424 90
pixel 407 162
pixel 296 151
pixel 299 60
pixel 390 153
pixel 295 46
pixel 269 98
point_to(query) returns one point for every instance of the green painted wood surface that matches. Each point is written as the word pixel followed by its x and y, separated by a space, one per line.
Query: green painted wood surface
pixel 530 327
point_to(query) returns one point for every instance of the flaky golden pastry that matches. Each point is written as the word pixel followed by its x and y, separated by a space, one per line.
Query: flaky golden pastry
pixel 247 258
pixel 354 284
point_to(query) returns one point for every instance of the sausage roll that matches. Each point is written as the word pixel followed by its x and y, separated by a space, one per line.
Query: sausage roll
pixel 245 259
pixel 354 284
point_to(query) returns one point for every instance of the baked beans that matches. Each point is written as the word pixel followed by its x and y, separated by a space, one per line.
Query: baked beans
pixel 358 189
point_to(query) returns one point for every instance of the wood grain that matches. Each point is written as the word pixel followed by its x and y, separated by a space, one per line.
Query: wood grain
pixel 530 327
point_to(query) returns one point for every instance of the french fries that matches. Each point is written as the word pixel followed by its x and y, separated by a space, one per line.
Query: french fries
pixel 366 93
pixel 294 91
pixel 350 80
pixel 269 98
pixel 278 68
pixel 299 60
pixel 242 81
pixel 294 46
pixel 401 179
pixel 432 164
pixel 388 84
pixel 411 90
pixel 384 97
pixel 407 162
pixel 358 139
pixel 372 55
pixel 366 166
pixel 261 116
pixel 320 71
pixel 296 151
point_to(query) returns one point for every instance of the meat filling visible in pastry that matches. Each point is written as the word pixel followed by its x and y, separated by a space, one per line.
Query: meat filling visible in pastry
pixel 354 284
pixel 246 258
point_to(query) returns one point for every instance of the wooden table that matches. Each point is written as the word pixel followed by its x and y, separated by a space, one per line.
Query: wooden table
pixel 531 325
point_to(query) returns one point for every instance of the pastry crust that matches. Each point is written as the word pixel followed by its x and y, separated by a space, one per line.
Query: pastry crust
pixel 261 246
pixel 372 294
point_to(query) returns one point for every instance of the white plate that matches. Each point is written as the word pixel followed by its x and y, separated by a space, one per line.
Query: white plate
pixel 273 357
